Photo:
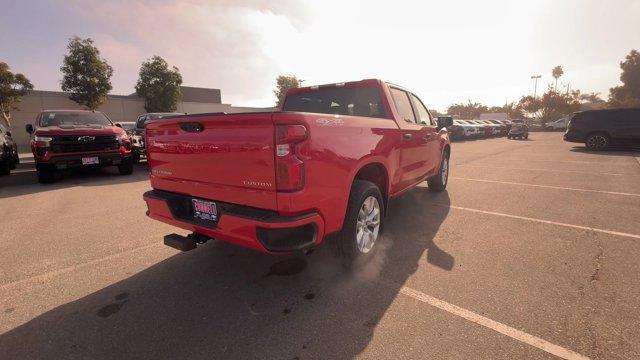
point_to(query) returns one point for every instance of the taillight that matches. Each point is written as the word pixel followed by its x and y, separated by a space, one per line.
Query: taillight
pixel 289 168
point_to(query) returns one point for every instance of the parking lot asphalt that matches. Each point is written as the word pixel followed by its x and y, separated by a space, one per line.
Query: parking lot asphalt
pixel 532 252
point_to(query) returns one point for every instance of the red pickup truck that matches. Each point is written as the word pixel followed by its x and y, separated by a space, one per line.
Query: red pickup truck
pixel 65 139
pixel 277 182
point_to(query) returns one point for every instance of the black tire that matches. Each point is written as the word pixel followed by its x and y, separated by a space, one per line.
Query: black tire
pixel 439 182
pixel 16 158
pixel 5 167
pixel 597 141
pixel 45 176
pixel 126 167
pixel 12 163
pixel 135 156
pixel 345 243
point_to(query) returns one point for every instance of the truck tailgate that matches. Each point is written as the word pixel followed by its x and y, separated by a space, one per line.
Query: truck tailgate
pixel 225 157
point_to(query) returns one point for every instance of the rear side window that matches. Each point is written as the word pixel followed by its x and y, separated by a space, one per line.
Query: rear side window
pixel 403 105
pixel 355 101
pixel 423 113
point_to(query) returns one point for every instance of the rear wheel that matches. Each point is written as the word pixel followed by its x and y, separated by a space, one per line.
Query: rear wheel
pixel 438 182
pixel 126 167
pixel 597 141
pixel 362 224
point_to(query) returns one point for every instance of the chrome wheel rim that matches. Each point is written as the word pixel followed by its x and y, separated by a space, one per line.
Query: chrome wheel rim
pixel 597 142
pixel 444 172
pixel 368 224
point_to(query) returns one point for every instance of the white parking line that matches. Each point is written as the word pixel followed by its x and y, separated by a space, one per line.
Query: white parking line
pixel 617 163
pixel 587 228
pixel 547 170
pixel 494 325
pixel 546 186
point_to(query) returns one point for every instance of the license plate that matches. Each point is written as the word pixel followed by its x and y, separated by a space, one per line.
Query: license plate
pixel 205 210
pixel 90 160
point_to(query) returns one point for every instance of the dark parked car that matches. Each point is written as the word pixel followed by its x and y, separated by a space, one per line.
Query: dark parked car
pixel 8 151
pixel 599 129
pixel 137 133
pixel 518 131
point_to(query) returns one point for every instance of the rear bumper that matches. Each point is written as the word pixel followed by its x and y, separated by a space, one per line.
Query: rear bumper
pixel 74 161
pixel 257 229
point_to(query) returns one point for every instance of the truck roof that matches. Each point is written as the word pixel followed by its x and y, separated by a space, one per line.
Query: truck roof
pixel 369 82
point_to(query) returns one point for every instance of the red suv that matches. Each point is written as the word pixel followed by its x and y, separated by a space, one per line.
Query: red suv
pixel 64 139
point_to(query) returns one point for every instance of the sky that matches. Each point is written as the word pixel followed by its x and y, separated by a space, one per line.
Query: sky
pixel 445 51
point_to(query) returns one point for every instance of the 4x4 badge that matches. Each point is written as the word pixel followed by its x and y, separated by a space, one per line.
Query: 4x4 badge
pixel 86 138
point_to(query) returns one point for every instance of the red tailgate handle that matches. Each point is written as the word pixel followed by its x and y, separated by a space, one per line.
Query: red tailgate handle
pixel 191 126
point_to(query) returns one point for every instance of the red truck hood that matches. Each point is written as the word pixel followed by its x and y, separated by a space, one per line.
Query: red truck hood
pixel 79 130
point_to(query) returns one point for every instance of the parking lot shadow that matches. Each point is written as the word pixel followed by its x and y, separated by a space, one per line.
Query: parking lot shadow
pixel 224 302
pixel 24 180
pixel 611 151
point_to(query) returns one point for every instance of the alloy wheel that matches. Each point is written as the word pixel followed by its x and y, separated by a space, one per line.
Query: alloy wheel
pixel 368 224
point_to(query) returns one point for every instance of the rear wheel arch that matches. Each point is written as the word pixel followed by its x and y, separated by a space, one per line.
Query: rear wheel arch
pixel 376 173
pixel 447 150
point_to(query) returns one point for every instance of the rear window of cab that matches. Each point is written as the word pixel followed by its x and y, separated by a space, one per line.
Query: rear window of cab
pixel 354 101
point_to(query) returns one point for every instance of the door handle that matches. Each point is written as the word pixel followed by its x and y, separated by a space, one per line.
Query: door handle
pixel 407 136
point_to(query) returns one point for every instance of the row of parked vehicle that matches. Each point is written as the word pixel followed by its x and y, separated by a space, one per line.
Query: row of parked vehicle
pixel 474 129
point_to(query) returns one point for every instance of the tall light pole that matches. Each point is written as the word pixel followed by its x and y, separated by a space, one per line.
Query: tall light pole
pixel 535 86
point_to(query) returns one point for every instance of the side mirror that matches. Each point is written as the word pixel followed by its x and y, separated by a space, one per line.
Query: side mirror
pixel 444 121
pixel 29 128
pixel 119 125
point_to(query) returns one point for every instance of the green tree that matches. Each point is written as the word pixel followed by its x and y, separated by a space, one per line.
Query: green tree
pixel 86 76
pixel 552 105
pixel 557 72
pixel 159 85
pixel 470 110
pixel 12 88
pixel 628 94
pixel 283 84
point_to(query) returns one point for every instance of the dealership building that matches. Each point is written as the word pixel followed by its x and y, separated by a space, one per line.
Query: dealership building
pixel 119 108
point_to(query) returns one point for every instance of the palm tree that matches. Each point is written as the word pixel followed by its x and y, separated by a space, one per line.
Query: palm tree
pixel 557 73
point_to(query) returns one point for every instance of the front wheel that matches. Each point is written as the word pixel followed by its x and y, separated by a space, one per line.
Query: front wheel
pixel 438 182
pixel 45 176
pixel 5 167
pixel 135 156
pixel 362 224
pixel 597 142
pixel 126 167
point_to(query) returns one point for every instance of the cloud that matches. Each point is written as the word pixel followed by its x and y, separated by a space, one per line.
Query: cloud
pixel 221 45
